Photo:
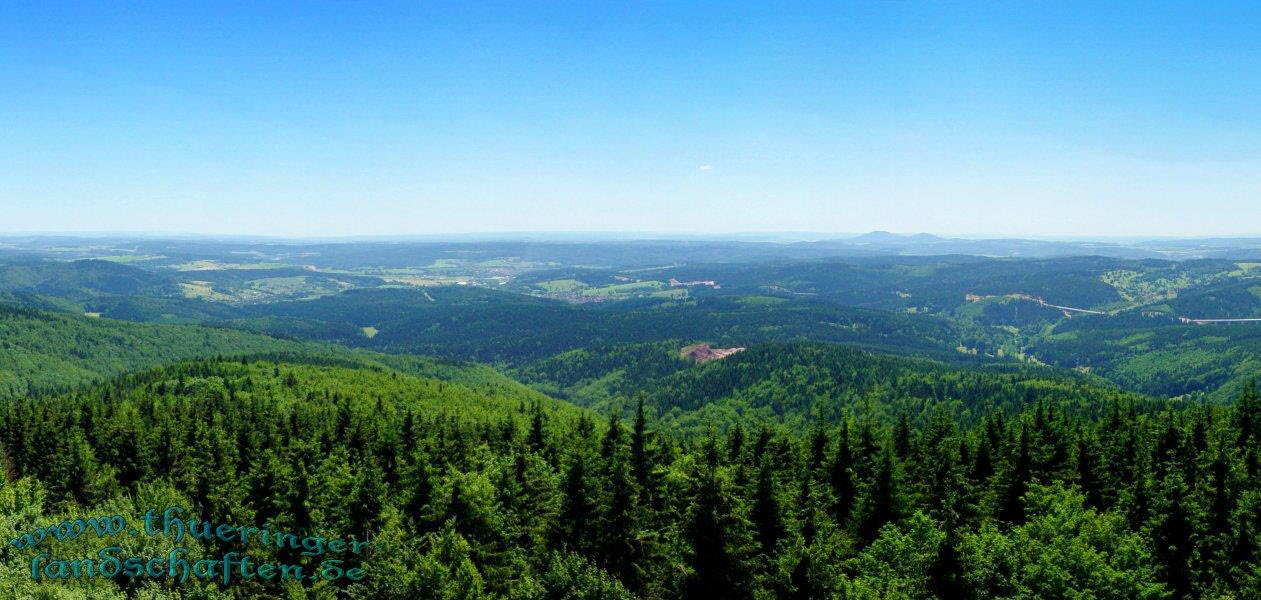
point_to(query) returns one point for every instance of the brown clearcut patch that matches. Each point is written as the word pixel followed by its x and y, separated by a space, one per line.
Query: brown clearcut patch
pixel 702 353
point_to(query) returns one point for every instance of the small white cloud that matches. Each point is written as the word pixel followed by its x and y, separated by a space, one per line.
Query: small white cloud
pixel 707 167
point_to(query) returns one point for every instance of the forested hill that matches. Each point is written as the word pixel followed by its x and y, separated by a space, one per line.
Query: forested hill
pixel 1236 299
pixel 56 350
pixel 491 326
pixel 498 327
pixel 798 383
pixel 46 349
pixel 1166 359
pixel 81 280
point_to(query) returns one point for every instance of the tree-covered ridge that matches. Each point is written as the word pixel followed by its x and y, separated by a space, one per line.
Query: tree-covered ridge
pixel 803 382
pixel 81 280
pixel 935 284
pixel 600 374
pixel 42 350
pixel 468 494
pixel 491 326
pixel 1235 299
pixel 46 349
pixel 111 288
pixel 1167 359
pixel 499 327
pixel 941 284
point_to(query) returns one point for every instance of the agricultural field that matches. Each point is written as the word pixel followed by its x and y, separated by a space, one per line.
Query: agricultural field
pixel 561 286
pixel 214 265
pixel 131 258
pixel 204 290
pixel 623 289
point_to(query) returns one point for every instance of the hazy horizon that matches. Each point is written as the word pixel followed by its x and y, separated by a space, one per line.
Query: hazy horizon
pixel 615 235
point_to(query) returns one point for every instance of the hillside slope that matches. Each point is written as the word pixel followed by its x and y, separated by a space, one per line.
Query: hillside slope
pixel 514 329
pixel 54 350
pixel 803 382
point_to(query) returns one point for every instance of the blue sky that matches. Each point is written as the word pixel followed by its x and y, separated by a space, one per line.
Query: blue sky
pixel 350 118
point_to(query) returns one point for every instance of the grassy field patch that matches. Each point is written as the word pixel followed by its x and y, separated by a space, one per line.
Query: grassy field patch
pixel 425 281
pixel 561 285
pixel 203 290
pixel 130 258
pixel 624 288
pixel 214 265
pixel 760 300
pixel 298 285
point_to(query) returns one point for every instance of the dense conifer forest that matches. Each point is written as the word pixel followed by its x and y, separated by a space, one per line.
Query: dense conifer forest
pixel 470 493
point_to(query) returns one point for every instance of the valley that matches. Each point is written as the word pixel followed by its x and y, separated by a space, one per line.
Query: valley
pixel 509 303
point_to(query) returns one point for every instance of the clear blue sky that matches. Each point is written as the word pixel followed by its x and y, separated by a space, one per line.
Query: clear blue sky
pixel 341 118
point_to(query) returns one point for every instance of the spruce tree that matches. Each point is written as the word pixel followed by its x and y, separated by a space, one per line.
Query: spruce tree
pixel 537 438
pixel 765 514
pixel 1248 415
pixel 716 569
pixel 612 437
pixel 641 462
pixel 619 543
pixel 577 508
pixel 1173 538
pixel 902 437
pixel 1012 503
pixel 1087 477
pixel 841 478
pixel 885 502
